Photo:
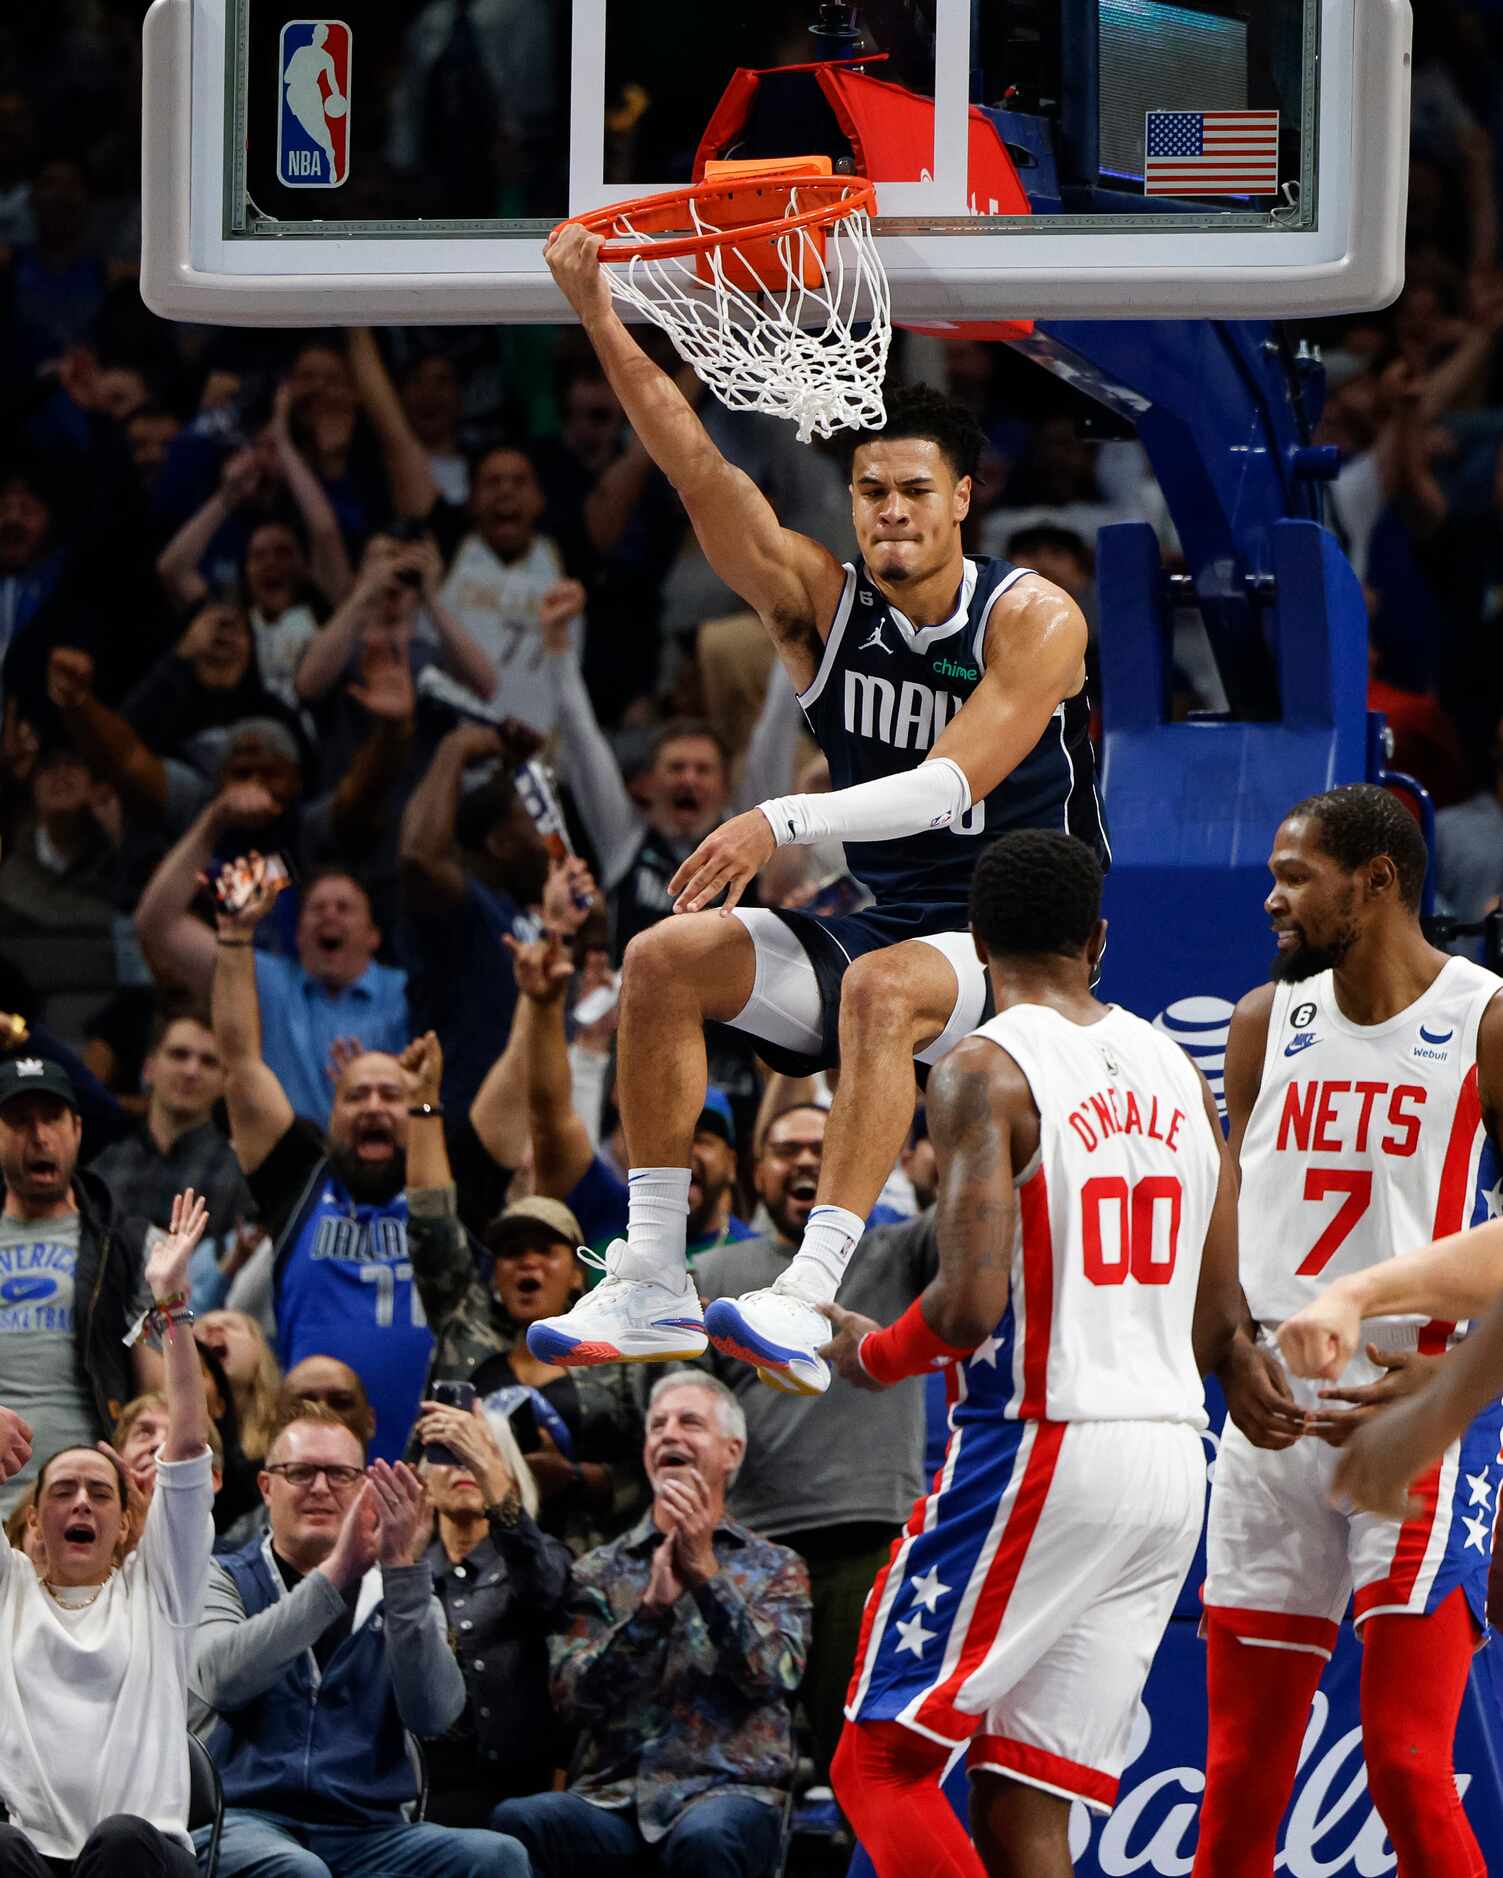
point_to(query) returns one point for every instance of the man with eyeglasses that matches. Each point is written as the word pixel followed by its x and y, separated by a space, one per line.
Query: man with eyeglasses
pixel 835 1495
pixel 321 1647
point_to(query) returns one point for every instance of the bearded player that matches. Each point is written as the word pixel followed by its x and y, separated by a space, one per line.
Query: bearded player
pixel 1087 1278
pixel 1359 1086
pixel 948 693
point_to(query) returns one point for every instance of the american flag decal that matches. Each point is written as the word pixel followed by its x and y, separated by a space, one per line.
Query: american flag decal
pixel 1211 153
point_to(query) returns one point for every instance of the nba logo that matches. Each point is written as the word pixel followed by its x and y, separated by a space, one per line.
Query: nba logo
pixel 313 124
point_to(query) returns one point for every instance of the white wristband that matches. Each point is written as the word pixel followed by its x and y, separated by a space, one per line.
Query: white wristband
pixel 934 795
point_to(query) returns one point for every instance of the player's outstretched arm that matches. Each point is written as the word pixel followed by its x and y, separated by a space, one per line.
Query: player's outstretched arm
pixel 1457 1277
pixel 1398 1443
pixel 791 581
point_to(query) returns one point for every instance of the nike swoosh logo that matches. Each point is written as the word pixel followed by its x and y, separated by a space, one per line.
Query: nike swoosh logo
pixel 1300 1043
pixel 1429 1037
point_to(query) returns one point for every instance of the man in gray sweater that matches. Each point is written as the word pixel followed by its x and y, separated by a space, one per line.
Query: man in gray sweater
pixel 834 1476
pixel 319 1645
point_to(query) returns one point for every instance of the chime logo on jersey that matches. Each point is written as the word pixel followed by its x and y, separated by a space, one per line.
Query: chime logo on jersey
pixel 313 112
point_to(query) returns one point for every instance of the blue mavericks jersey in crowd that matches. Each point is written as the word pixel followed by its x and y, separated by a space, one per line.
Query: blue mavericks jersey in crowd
pixel 884 692
pixel 344 1288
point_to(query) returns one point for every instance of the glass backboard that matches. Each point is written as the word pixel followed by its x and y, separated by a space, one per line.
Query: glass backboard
pixel 402 160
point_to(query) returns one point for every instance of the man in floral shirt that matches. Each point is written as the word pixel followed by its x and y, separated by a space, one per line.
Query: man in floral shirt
pixel 680 1667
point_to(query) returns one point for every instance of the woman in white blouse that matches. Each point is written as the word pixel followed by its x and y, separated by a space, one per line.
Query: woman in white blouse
pixel 95 1642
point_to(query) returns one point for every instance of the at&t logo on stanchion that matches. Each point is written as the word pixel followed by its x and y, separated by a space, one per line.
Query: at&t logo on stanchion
pixel 313 117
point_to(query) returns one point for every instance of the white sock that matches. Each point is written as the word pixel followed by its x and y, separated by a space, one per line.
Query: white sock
pixel 819 1265
pixel 657 1225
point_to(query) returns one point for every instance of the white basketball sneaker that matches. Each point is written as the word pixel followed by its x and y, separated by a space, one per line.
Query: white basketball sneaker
pixel 623 1320
pixel 779 1333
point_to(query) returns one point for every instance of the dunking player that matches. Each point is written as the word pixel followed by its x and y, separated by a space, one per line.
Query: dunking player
pixel 1087 1278
pixel 1357 1086
pixel 948 694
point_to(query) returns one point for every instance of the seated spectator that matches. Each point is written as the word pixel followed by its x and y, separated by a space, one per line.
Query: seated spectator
pixel 565 1161
pixel 251 1372
pixel 93 1707
pixel 503 1584
pixel 138 1435
pixel 64 1364
pixel 177 1144
pixel 57 918
pixel 679 1669
pixel 833 1478
pixel 335 1209
pixel 320 1643
pixel 334 990
pixel 584 1427
pixel 1469 852
pixel 325 1379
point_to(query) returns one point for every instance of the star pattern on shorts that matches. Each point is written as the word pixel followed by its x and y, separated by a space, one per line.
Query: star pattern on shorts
pixel 1476 1532
pixel 927 1590
pixel 987 1352
pixel 1493 1200
pixel 913 1634
pixel 1482 1489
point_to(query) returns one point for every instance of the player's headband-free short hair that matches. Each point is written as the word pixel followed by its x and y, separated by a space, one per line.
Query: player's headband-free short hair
pixel 1036 893
pixel 921 411
pixel 1358 822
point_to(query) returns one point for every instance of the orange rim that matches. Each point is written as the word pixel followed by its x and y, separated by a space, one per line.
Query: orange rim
pixel 851 195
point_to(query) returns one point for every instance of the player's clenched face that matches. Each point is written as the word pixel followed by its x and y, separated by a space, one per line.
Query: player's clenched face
pixel 1313 905
pixel 907 507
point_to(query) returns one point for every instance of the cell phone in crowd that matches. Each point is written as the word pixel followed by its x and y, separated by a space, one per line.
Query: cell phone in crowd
pixel 459 1395
pixel 236 882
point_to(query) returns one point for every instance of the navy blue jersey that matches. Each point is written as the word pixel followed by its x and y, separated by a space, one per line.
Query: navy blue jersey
pixel 884 692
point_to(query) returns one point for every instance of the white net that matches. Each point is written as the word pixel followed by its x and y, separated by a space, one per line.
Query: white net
pixel 808 342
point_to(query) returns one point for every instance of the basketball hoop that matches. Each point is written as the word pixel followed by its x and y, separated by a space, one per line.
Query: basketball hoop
pixel 766 278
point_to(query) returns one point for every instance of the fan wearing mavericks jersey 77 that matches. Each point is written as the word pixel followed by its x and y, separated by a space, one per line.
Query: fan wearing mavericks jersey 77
pixel 1362 1088
pixel 948 695
pixel 335 1206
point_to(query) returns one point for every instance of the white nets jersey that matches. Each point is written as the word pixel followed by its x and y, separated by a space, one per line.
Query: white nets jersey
pixel 1112 1218
pixel 1365 1141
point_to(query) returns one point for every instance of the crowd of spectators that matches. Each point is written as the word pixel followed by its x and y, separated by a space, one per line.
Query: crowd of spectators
pixel 313 599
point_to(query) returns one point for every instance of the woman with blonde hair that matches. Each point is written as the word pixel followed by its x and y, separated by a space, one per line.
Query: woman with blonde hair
pixel 251 1370
pixel 503 1583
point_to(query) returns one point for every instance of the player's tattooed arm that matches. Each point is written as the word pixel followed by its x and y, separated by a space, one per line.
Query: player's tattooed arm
pixel 792 582
pixel 981 1121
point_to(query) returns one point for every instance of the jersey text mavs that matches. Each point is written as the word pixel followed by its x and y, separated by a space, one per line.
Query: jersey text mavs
pixel 885 691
